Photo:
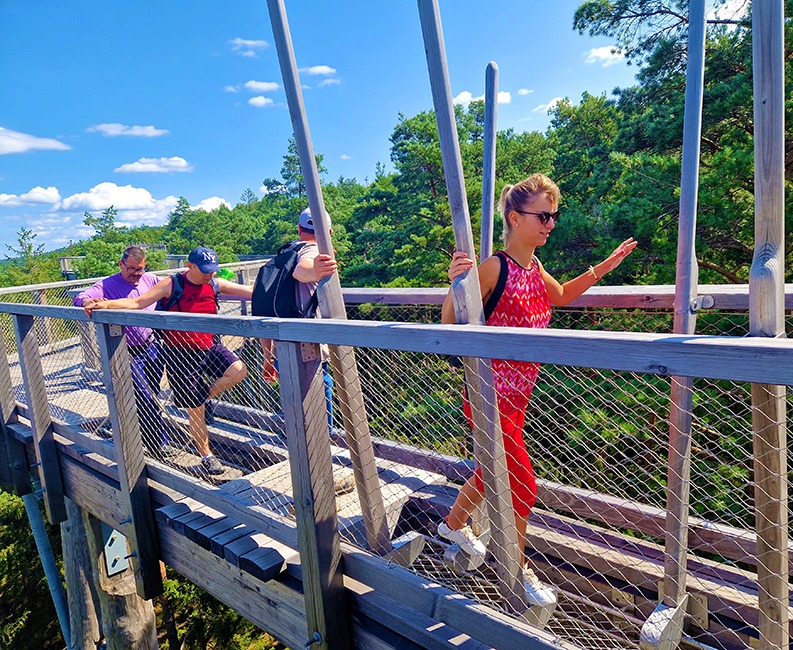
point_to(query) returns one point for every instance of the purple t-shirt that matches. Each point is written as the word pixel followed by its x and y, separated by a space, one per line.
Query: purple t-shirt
pixel 115 287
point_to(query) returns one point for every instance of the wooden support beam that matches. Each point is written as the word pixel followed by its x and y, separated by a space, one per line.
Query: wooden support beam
pixel 488 437
pixel 14 475
pixel 127 440
pixel 345 371
pixel 767 319
pixel 39 416
pixel 305 415
pixel 128 621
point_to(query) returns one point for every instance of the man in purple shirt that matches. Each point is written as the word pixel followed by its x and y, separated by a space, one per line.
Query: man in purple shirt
pixel 146 358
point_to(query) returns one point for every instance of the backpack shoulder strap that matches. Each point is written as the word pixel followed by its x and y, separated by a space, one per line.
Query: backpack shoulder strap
pixel 492 301
pixel 216 288
pixel 177 289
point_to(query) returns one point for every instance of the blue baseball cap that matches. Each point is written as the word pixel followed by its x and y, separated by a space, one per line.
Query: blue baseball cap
pixel 205 259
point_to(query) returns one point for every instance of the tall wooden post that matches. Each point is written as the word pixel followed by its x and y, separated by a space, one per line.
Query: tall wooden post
pixel 306 425
pixel 129 457
pixel 766 318
pixel 128 621
pixel 14 475
pixel 345 371
pixel 489 160
pixel 468 308
pixel 79 575
pixel 40 421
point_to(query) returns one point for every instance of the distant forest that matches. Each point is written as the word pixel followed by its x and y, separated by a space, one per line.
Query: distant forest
pixel 616 160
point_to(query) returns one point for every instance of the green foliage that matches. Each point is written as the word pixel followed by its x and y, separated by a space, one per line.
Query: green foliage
pixel 27 615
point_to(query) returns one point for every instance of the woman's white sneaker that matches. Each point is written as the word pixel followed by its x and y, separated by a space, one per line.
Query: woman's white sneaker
pixel 536 592
pixel 465 538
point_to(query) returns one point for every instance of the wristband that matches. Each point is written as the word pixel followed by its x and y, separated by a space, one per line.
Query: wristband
pixel 594 274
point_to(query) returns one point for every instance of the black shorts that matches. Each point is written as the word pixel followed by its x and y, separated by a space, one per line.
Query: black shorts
pixel 192 371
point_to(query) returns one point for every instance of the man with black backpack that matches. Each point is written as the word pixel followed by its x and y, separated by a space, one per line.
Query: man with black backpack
pixel 199 367
pixel 286 287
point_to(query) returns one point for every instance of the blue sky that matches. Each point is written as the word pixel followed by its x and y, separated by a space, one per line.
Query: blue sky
pixel 134 104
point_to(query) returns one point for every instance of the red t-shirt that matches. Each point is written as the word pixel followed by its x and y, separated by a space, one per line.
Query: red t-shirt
pixel 196 299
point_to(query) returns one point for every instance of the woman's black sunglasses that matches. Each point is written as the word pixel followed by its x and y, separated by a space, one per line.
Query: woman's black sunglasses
pixel 544 217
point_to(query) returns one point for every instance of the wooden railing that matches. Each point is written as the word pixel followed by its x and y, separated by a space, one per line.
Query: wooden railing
pixel 137 487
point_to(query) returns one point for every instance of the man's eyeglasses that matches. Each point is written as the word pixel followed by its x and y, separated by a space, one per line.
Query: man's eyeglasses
pixel 137 271
pixel 544 217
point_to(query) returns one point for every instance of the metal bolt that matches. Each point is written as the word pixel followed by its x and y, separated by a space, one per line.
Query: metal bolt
pixel 317 638
pixel 126 520
pixel 131 555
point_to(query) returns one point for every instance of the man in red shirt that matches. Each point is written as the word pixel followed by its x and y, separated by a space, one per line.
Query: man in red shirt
pixel 199 367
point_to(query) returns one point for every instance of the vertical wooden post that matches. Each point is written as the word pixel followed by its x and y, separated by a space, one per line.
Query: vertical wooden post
pixel 306 423
pixel 128 621
pixel 345 376
pixel 40 421
pixel 129 457
pixel 80 581
pixel 489 160
pixel 766 318
pixel 664 627
pixel 14 476
pixel 42 324
pixel 468 309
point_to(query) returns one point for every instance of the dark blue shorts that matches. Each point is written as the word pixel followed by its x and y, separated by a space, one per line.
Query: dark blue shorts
pixel 192 371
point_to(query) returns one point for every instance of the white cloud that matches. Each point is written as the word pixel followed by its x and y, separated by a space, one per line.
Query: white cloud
pixel 135 207
pixel 156 165
pixel 524 91
pixel 466 98
pixel 114 129
pixel 544 108
pixel 314 70
pixel 607 55
pixel 212 203
pixel 261 86
pixel 330 82
pixel 102 196
pixel 247 48
pixel 231 89
pixel 260 101
pixel 267 190
pixel 16 142
pixel 344 156
pixel 37 195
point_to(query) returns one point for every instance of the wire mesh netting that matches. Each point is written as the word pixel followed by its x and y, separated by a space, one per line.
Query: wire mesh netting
pixel 597 439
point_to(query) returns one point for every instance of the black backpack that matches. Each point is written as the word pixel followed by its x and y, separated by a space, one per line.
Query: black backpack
pixel 178 289
pixel 275 289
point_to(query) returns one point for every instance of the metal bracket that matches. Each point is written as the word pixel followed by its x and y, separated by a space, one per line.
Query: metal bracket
pixel 309 351
pixel 116 330
pixel 622 599
pixel 701 302
pixel 115 550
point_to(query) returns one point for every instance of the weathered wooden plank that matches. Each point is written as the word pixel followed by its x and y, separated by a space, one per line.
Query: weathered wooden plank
pixel 218 543
pixel 716 357
pixel 40 421
pixel 130 459
pixel 14 475
pixel 303 400
pixel 203 536
pixel 273 606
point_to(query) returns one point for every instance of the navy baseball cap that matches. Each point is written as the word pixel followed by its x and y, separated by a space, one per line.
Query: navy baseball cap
pixel 205 259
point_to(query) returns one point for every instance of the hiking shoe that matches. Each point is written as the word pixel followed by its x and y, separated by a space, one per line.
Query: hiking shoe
pixel 167 452
pixel 465 538
pixel 209 412
pixel 212 465
pixel 536 592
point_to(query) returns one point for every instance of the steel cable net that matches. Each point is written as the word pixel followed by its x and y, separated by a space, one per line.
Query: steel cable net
pixel 597 439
